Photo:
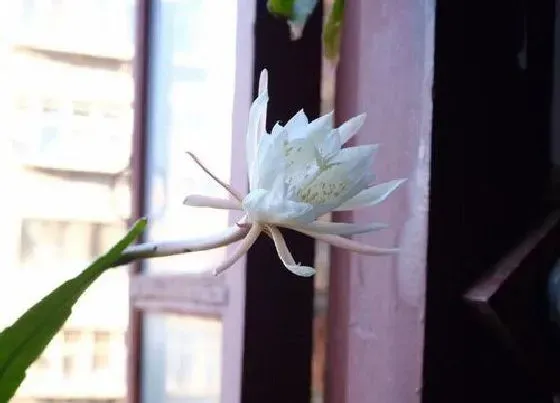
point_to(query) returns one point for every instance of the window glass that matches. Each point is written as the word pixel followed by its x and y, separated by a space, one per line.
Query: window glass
pixel 182 359
pixel 191 110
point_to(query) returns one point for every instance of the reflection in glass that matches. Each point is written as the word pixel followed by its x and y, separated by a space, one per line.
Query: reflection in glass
pixel 191 110
pixel 182 359
pixel 66 183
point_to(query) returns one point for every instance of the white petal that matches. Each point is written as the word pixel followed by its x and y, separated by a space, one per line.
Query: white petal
pixel 277 129
pixel 263 81
pixel 211 202
pixel 263 89
pixel 299 154
pixel 352 245
pixel 262 205
pixel 270 161
pixel 263 149
pixel 304 143
pixel 330 146
pixel 320 127
pixel 373 195
pixel 353 154
pixel 302 271
pixel 285 255
pixel 257 122
pixel 325 121
pixel 338 228
pixel 279 187
pixel 351 127
pixel 241 249
pixel 297 122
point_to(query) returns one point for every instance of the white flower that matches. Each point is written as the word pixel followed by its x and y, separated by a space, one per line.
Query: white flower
pixel 298 173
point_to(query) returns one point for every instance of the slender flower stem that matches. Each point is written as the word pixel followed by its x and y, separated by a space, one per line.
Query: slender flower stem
pixel 170 248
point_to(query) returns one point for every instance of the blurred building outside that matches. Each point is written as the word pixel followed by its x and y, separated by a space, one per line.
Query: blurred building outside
pixel 66 106
pixel 67 97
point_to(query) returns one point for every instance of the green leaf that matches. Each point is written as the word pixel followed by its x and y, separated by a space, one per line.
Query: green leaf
pixel 283 8
pixel 332 31
pixel 296 11
pixel 23 342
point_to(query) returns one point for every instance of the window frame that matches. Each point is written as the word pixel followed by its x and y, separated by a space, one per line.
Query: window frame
pixel 173 294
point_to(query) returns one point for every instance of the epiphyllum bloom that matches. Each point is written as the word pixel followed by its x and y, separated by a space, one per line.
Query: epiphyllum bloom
pixel 298 173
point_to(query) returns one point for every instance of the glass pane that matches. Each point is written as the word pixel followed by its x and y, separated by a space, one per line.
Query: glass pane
pixel 66 98
pixel 182 359
pixel 191 110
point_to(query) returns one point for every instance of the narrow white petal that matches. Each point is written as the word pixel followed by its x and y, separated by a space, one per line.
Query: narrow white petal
pixel 257 121
pixel 331 144
pixel 277 129
pixel 323 122
pixel 349 244
pixel 263 82
pixel 359 153
pixel 285 255
pixel 270 160
pixel 320 127
pixel 237 195
pixel 242 249
pixel 371 196
pixel 263 90
pixel 338 228
pixel 212 202
pixel 351 127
